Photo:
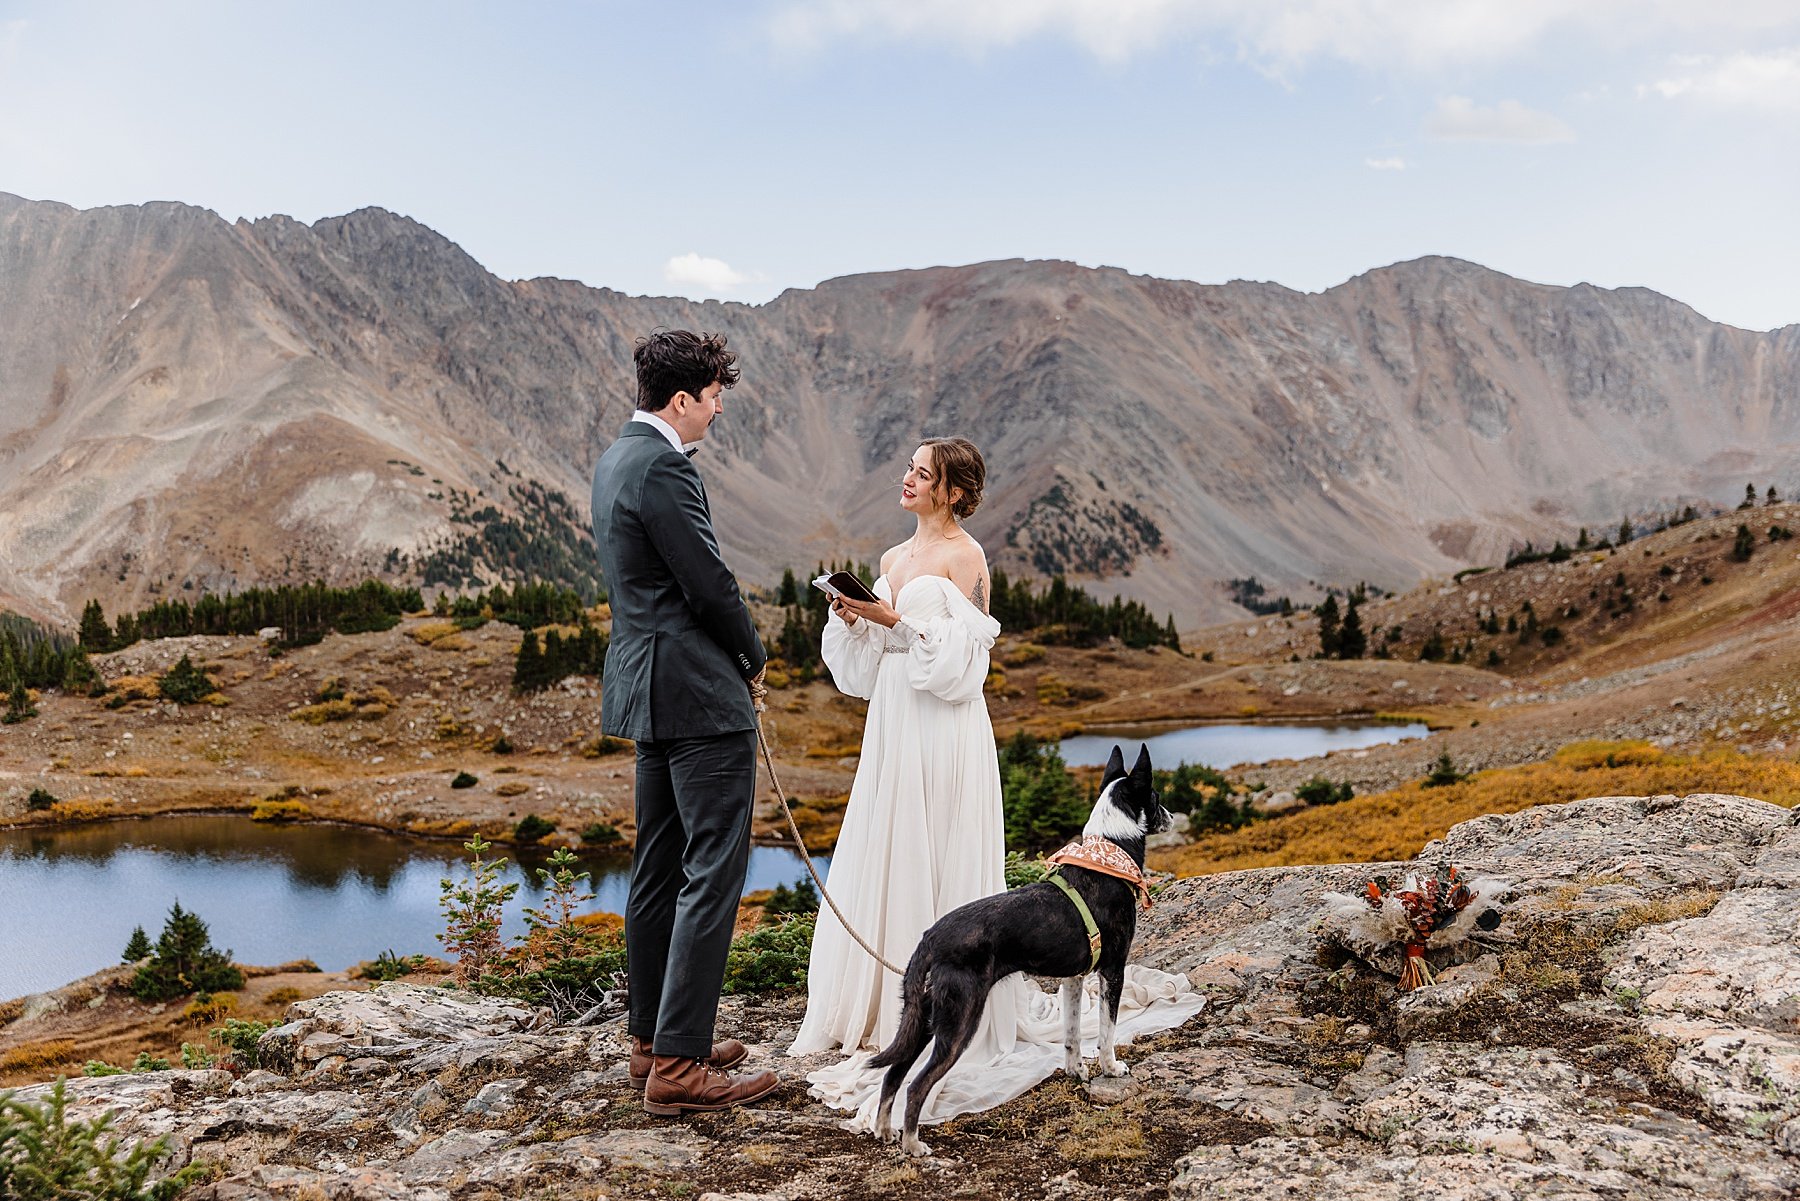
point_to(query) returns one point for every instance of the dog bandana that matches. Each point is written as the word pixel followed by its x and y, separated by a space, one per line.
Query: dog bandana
pixel 1107 857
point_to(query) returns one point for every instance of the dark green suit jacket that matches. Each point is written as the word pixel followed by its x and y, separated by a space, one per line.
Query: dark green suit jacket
pixel 682 642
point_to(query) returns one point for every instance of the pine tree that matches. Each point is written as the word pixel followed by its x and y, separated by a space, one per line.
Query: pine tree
pixel 18 705
pixel 185 684
pixel 1171 639
pixel 95 634
pixel 1329 623
pixel 1749 501
pixel 1744 545
pixel 1624 534
pixel 528 668
pixel 139 948
pixel 790 589
pixel 185 961
pixel 1352 643
pixel 1774 497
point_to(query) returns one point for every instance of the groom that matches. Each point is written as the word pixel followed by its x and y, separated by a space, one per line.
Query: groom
pixel 683 680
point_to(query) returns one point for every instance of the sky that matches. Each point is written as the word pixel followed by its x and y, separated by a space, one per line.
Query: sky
pixel 737 149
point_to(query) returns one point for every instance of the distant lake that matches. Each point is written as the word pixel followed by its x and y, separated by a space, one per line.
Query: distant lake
pixel 1222 746
pixel 334 894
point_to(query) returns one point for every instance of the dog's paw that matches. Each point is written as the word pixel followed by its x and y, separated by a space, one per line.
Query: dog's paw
pixel 1082 1072
pixel 912 1144
pixel 888 1134
pixel 1116 1068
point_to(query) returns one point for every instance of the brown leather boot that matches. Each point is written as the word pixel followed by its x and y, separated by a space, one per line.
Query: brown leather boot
pixel 681 1085
pixel 725 1056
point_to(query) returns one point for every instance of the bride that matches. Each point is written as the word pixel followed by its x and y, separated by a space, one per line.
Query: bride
pixel 923 830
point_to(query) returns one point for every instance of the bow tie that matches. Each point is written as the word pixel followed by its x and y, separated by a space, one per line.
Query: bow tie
pixel 690 453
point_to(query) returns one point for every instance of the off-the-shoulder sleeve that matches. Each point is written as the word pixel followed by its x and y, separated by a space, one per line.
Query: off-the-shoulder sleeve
pixel 853 654
pixel 950 659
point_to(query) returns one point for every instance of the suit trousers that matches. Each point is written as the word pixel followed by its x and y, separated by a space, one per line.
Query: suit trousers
pixel 695 797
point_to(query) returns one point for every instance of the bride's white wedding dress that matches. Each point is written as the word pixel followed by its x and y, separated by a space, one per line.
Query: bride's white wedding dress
pixel 923 834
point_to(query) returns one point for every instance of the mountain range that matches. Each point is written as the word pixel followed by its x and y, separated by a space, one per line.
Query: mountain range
pixel 189 403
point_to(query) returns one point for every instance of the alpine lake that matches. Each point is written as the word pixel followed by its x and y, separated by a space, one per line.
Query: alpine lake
pixel 339 895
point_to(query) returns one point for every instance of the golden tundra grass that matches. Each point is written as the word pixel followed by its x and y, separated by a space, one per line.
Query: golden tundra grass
pixel 1396 825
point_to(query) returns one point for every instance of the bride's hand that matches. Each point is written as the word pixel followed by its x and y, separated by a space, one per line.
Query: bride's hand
pixel 844 614
pixel 875 611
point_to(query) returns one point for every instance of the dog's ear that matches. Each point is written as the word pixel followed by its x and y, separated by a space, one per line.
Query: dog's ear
pixel 1141 769
pixel 1115 766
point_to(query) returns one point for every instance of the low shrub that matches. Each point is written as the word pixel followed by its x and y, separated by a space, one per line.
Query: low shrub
pixel 242 1038
pixel 513 788
pixel 206 1008
pixel 281 811
pixel 601 834
pixel 770 958
pixel 603 746
pixel 388 966
pixel 464 780
pixel 1320 791
pixel 532 828
pixel 185 684
pixel 33 1057
pixel 319 714
pixel 1021 871
pixel 39 800
pixel 1443 773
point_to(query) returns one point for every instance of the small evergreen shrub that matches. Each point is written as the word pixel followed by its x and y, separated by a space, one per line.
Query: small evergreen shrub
pixel 242 1039
pixel 770 958
pixel 45 1156
pixel 1320 791
pixel 1443 773
pixel 185 684
pixel 532 828
pixel 464 780
pixel 40 800
pixel 601 834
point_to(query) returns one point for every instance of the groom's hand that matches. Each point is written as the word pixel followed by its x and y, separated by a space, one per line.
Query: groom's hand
pixel 759 691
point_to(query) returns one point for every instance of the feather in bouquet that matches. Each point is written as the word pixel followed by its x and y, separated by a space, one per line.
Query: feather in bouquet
pixel 1432 911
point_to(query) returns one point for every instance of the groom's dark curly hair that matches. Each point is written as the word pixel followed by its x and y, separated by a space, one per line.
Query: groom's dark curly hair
pixel 678 360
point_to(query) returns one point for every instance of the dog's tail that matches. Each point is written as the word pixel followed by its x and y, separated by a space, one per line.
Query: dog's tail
pixel 915 1015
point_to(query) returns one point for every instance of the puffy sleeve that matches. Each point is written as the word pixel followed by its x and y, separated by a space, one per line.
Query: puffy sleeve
pixel 853 654
pixel 950 658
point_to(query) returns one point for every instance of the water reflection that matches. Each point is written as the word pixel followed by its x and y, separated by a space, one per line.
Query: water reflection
pixel 334 894
pixel 1222 746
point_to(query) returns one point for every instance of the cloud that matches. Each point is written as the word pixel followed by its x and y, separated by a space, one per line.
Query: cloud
pixel 1395 163
pixel 708 276
pixel 1770 81
pixel 1459 119
pixel 1274 34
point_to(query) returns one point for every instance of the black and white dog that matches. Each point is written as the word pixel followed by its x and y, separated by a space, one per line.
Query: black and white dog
pixel 1035 929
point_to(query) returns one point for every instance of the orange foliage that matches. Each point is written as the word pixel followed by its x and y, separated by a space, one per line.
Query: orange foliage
pixel 1396 825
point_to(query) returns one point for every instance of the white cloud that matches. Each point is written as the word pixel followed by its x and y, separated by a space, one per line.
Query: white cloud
pixel 1459 119
pixel 1769 81
pixel 708 276
pixel 1276 34
pixel 1395 163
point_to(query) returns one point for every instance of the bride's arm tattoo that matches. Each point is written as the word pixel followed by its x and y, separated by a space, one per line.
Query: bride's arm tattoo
pixel 979 596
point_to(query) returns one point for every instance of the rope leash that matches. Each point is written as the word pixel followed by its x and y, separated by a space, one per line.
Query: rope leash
pixel 788 812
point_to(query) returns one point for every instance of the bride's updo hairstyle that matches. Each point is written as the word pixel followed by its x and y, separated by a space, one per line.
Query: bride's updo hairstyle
pixel 958 465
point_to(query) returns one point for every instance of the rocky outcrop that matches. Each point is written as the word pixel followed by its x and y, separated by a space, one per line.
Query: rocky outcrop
pixel 1634 1032
pixel 265 400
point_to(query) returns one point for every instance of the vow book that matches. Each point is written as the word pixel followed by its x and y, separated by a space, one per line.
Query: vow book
pixel 842 583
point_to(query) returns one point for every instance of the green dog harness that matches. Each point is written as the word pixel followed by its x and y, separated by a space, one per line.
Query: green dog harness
pixel 1087 916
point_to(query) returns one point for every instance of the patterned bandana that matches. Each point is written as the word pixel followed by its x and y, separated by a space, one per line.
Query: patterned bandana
pixel 1107 857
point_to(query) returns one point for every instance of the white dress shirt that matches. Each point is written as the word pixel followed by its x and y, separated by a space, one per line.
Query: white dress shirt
pixel 662 427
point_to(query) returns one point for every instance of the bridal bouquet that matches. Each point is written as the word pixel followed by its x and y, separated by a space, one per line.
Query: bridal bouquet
pixel 1432 911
